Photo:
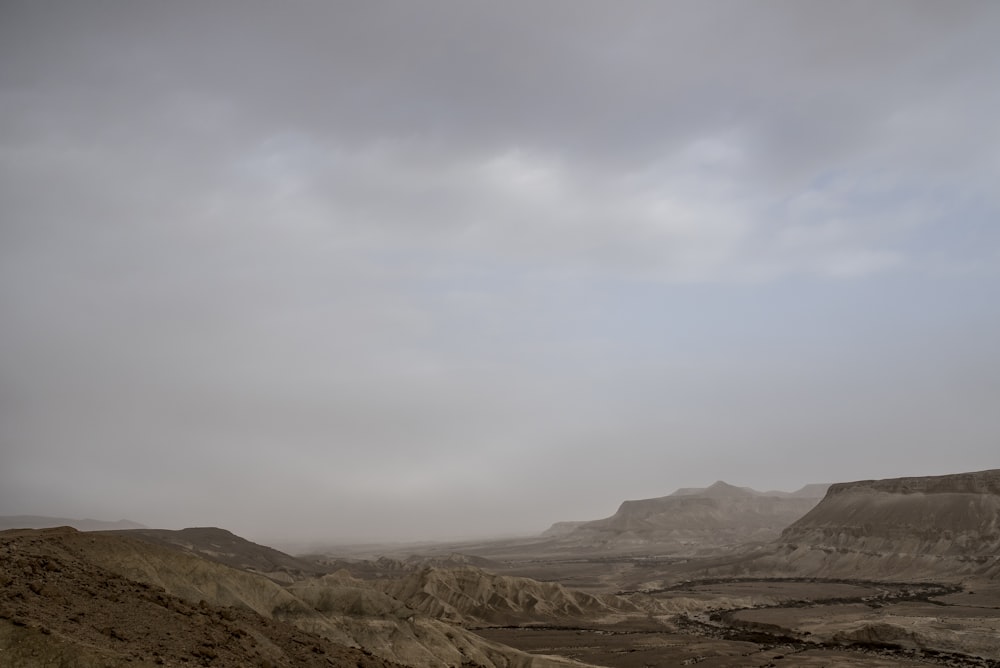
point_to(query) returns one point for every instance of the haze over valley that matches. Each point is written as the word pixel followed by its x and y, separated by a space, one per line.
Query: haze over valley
pixel 451 334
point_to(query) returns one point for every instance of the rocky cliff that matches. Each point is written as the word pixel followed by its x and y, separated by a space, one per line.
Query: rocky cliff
pixel 936 527
pixel 950 515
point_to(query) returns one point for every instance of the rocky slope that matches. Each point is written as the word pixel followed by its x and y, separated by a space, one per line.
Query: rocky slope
pixel 384 567
pixel 473 597
pixel 947 523
pixel 228 548
pixel 691 518
pixel 330 613
pixel 939 527
pixel 58 608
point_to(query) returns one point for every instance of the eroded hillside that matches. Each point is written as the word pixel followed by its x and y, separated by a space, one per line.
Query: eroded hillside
pixel 60 608
pixel 106 599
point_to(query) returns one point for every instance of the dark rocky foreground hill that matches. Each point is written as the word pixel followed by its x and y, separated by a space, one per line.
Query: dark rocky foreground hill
pixel 59 608
pixel 110 599
pixel 228 548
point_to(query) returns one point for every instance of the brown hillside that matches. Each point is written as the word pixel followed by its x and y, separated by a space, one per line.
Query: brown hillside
pixel 469 595
pixel 338 609
pixel 228 548
pixel 953 515
pixel 936 524
pixel 939 527
pixel 58 608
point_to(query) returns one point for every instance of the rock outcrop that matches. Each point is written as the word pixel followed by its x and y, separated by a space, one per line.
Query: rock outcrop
pixel 935 527
pixel 957 515
pixel 946 524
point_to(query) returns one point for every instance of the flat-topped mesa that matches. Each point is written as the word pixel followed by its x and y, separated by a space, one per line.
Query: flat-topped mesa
pixel 979 482
pixel 935 515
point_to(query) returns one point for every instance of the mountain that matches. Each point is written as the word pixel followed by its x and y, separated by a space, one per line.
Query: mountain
pixel 106 599
pixel 942 527
pixel 690 518
pixel 948 523
pixel 43 522
pixel 718 490
pixel 811 491
pixel 561 529
pixel 721 489
pixel 228 548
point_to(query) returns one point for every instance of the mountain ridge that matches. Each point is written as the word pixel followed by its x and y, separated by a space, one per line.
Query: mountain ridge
pixel 47 522
pixel 690 518
pixel 943 528
pixel 227 548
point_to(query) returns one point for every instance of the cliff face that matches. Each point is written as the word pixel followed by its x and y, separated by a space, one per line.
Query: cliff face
pixel 941 515
pixel 936 526
pixel 979 482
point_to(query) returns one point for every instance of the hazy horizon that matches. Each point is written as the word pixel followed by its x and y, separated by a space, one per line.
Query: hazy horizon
pixel 406 271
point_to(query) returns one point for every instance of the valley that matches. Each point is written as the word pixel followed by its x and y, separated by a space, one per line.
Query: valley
pixel 877 573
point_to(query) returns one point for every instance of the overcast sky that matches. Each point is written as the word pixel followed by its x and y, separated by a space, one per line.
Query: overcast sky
pixel 403 270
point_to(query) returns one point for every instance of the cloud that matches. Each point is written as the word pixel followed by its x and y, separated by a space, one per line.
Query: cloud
pixel 373 257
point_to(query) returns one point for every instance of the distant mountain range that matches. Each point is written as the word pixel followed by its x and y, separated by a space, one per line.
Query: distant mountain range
pixel 691 518
pixel 44 522
pixel 722 489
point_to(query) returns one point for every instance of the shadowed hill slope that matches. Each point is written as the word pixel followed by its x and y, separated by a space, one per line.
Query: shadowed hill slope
pixel 228 548
pixel 58 608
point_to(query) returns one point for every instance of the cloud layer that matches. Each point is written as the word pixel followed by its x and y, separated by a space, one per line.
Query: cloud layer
pixel 404 271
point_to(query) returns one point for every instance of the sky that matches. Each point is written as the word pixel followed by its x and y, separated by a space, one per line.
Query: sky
pixel 406 271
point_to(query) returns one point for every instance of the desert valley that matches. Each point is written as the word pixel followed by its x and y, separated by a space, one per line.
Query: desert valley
pixel 897 572
pixel 453 334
